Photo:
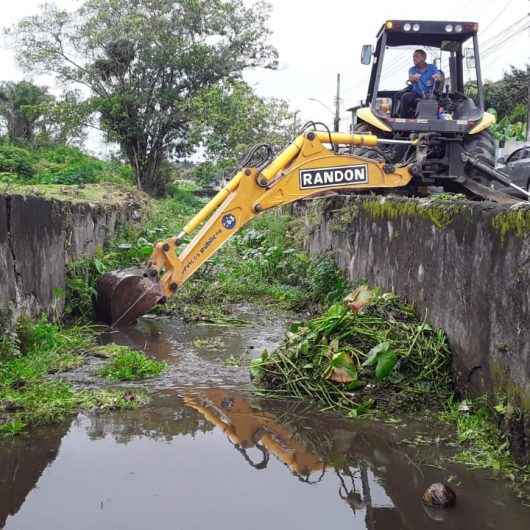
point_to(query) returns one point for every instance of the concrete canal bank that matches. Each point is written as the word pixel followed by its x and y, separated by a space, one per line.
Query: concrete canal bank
pixel 44 229
pixel 465 267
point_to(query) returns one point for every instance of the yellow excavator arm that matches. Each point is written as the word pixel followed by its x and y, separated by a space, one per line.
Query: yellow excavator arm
pixel 308 167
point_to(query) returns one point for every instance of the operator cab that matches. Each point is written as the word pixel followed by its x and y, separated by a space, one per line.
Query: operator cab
pixel 455 104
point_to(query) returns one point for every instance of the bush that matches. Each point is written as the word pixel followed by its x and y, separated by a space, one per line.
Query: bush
pixel 16 160
pixel 68 165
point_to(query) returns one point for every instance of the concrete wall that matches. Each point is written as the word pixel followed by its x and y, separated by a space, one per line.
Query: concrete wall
pixel 38 237
pixel 465 267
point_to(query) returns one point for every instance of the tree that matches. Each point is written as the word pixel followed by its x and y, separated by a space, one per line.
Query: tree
pixel 65 120
pixel 145 62
pixel 34 116
pixel 231 118
pixel 22 105
pixel 506 94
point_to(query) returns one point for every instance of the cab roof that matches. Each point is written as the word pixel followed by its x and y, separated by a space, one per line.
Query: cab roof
pixel 426 32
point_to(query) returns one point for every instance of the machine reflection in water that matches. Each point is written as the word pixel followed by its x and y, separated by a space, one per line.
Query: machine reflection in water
pixel 290 432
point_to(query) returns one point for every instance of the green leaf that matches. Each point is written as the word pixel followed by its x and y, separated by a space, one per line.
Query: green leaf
pixel 385 364
pixel 58 292
pixel 295 327
pixel 355 385
pixel 303 347
pixel 100 266
pixel 256 368
pixel 374 353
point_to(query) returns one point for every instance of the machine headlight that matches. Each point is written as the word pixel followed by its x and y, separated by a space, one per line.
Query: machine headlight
pixel 416 27
pixel 459 28
pixel 449 28
pixel 407 27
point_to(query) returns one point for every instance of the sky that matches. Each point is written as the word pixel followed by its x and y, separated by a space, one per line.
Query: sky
pixel 317 39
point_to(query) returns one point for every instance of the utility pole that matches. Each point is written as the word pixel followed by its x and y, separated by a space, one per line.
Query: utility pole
pixel 528 105
pixel 337 106
pixel 296 127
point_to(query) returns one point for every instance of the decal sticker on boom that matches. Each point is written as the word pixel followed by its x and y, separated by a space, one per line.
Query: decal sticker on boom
pixel 333 176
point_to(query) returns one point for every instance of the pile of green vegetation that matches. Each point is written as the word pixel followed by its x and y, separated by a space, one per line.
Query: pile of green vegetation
pixel 369 350
pixel 372 354
pixel 58 164
pixel 31 395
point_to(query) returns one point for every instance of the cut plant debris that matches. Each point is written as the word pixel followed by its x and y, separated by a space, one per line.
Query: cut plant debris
pixel 369 351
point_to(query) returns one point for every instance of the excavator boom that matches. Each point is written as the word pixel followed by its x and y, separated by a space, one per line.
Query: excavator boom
pixel 308 167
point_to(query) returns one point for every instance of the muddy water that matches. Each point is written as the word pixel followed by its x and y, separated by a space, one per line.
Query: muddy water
pixel 207 453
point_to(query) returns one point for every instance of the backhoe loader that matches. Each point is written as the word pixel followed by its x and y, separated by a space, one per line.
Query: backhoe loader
pixel 316 163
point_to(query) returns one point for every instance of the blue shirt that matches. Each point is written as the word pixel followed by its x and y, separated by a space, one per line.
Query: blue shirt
pixel 426 83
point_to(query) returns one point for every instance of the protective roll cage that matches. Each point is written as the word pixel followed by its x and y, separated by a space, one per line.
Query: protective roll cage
pixel 432 34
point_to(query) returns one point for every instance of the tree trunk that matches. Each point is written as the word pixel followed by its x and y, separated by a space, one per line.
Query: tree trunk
pixel 154 182
pixel 146 166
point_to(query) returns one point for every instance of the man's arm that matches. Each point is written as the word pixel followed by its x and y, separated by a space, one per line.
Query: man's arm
pixel 438 75
pixel 413 77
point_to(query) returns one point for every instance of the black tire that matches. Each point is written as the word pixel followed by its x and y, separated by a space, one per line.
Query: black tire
pixel 482 147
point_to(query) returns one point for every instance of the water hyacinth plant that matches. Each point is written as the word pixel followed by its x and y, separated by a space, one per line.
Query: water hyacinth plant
pixel 369 349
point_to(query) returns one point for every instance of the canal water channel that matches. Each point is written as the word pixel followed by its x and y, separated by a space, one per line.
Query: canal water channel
pixel 207 452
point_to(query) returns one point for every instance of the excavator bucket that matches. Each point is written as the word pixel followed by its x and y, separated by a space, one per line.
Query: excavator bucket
pixel 123 296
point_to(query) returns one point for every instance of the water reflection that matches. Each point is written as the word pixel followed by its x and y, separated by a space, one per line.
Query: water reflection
pixel 311 446
pixel 22 462
pixel 248 427
pixel 226 458
pixel 163 424
pixel 222 457
pixel 375 476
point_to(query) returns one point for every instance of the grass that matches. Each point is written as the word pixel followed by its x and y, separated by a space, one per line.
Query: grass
pixel 482 444
pixel 263 263
pixel 28 396
pixel 131 365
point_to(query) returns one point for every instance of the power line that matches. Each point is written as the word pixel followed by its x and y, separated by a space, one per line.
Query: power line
pixel 499 14
pixel 494 53
pixel 501 43
pixel 501 33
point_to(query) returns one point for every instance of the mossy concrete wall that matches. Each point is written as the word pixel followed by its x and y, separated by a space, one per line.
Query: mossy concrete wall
pixel 39 235
pixel 465 266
